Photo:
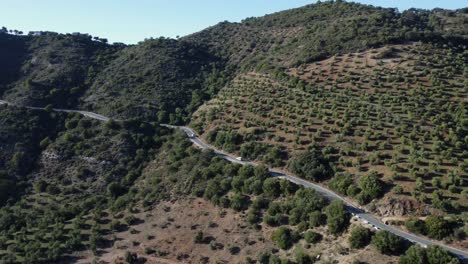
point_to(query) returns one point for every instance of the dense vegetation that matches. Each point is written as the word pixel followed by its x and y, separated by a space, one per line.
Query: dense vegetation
pixel 324 29
pixel 21 139
pixel 74 166
pixel 159 79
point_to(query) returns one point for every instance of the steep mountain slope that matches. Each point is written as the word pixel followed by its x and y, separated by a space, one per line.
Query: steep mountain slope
pixel 152 80
pixel 158 76
pixel 50 68
pixel 12 54
pixel 316 31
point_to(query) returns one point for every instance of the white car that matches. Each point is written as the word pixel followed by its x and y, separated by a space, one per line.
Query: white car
pixel 239 159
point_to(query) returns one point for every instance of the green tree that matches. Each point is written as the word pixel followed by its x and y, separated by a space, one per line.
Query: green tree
pixel 316 219
pixel 337 217
pixel 360 237
pixel 274 259
pixel 414 255
pixel 341 183
pixel 115 189
pixel 437 255
pixel 416 225
pixel 284 237
pixel 312 237
pixel 239 202
pixel 371 187
pixel 272 187
pixel 199 237
pixel 311 165
pixel 438 227
pixel 253 216
pixel 302 257
pixel 261 172
pixel 131 257
pixel 388 243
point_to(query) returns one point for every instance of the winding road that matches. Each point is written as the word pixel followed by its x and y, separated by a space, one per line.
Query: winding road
pixel 354 209
pixel 84 113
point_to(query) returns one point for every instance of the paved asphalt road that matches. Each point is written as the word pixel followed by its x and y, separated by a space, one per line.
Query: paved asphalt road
pixel 85 113
pixel 356 210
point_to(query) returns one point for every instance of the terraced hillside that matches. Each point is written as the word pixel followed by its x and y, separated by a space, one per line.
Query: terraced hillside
pixel 396 111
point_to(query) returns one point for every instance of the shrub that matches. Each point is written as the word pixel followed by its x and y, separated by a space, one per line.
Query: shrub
pixel 360 237
pixel 371 186
pixel 312 237
pixel 337 217
pixel 316 219
pixel 239 202
pixel 263 257
pixel 341 183
pixel 131 257
pixel 272 187
pixel 40 186
pixel 284 237
pixel 437 255
pixel 199 238
pixel 311 165
pixel 388 243
pixel 52 189
pixel 302 257
pixel 233 249
pixel 131 220
pixel 431 255
pixel 274 260
pixel 438 227
pixel 115 189
pixel 416 225
pixel 414 255
pixel 253 216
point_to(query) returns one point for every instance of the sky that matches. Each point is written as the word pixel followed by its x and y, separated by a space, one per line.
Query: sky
pixel 131 21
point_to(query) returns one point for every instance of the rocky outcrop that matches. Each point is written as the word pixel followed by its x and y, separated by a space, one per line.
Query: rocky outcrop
pixel 398 207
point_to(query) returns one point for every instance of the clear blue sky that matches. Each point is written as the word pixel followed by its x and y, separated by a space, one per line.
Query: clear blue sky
pixel 130 21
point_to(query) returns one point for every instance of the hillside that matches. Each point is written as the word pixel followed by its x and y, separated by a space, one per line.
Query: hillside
pixel 158 79
pixel 324 29
pixel 366 101
pixel 50 68
pixel 396 110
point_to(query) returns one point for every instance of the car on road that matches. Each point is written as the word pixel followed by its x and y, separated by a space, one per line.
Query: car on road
pixel 239 159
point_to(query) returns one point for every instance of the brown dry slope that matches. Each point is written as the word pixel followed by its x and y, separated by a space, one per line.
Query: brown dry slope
pixel 166 235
